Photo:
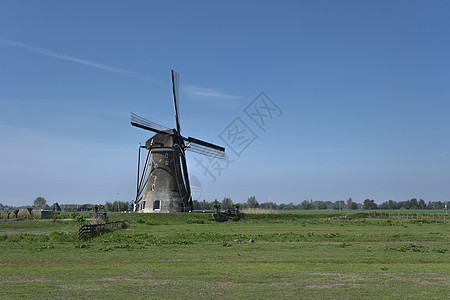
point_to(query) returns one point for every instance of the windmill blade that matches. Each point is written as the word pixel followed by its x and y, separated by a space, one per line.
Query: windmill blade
pixel 175 84
pixel 205 148
pixel 205 144
pixel 143 123
pixel 187 184
pixel 207 151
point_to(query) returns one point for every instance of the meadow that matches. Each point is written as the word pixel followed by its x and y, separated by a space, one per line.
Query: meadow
pixel 307 255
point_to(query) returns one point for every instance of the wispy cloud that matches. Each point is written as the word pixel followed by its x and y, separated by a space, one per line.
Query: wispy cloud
pixel 196 91
pixel 57 55
pixel 322 150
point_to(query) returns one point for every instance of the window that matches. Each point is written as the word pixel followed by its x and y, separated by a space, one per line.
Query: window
pixel 157 204
pixel 153 187
pixel 166 155
pixel 143 204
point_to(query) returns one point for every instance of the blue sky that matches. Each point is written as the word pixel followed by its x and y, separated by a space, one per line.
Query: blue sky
pixel 362 89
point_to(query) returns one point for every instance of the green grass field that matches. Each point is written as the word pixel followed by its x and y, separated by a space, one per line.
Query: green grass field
pixel 315 255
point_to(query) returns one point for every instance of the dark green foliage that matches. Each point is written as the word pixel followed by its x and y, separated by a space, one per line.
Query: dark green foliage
pixel 369 204
pixel 350 204
pixel 307 205
pixel 202 205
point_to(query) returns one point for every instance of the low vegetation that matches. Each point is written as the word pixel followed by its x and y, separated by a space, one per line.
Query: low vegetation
pixel 312 255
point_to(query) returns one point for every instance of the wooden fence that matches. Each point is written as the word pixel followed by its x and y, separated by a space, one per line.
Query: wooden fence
pixel 94 229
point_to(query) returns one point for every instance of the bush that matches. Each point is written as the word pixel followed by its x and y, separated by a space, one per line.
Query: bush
pixel 195 221
pixel 80 218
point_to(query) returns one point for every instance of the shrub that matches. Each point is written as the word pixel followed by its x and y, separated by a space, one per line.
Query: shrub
pixel 80 218
pixel 195 221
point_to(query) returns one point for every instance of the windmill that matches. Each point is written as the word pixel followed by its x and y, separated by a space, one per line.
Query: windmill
pixel 163 185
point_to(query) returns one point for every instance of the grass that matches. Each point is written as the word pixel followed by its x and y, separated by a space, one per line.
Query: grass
pixel 179 256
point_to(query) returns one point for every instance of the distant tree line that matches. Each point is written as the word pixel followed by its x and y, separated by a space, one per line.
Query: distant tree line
pixel 38 203
pixel 413 203
pixel 118 206
pixel 227 203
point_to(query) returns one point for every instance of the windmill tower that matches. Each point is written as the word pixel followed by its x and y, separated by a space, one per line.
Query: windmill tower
pixel 163 184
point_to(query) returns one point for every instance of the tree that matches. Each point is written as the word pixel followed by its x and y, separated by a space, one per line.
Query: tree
pixel 268 205
pixel 252 203
pixel 205 205
pixel 289 206
pixel 351 204
pixel 227 204
pixel 117 206
pixel 413 203
pixel 369 204
pixel 422 204
pixel 328 204
pixel 438 205
pixel 320 205
pixel 340 204
pixel 392 204
pixel 39 202
pixel 306 205
pixel 196 205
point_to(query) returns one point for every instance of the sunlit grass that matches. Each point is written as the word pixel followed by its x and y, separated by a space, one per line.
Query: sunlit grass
pixel 168 256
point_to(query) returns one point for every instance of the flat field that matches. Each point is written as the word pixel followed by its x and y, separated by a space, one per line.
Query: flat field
pixel 327 255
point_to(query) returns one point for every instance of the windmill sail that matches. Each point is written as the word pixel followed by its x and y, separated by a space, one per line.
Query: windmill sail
pixel 175 85
pixel 206 151
pixel 143 123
